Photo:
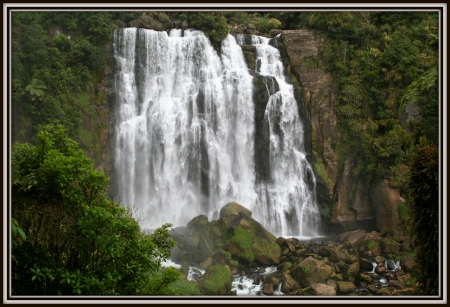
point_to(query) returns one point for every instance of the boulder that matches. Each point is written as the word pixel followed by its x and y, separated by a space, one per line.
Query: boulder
pixel 379 259
pixel 372 288
pixel 366 277
pixel 197 222
pixel 357 238
pixel 332 283
pixel 366 264
pixel 267 289
pixel 289 284
pixel 345 287
pixel 291 247
pixel 321 289
pixel 311 271
pixel 206 263
pixel 215 281
pixel 281 241
pixel 380 269
pixel 338 254
pixel 222 257
pixel 264 247
pixel 389 245
pixel 235 209
pixel 353 269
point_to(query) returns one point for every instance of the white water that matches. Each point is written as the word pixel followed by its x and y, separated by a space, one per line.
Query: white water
pixel 296 210
pixel 184 126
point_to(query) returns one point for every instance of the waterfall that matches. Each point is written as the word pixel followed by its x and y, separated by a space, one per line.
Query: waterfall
pixel 184 133
pixel 291 189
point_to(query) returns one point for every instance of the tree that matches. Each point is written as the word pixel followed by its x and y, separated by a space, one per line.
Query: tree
pixel 77 240
pixel 424 191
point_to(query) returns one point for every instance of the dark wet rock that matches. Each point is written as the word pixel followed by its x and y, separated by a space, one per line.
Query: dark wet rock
pixel 267 289
pixel 396 284
pixel 373 289
pixel 366 264
pixel 291 247
pixel 380 269
pixel 379 259
pixel 408 263
pixel 289 284
pixel 281 241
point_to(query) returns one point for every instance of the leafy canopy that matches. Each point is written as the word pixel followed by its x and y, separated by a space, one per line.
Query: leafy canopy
pixel 77 240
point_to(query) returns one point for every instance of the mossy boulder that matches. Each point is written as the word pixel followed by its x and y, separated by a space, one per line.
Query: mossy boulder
pixel 252 242
pixel 233 209
pixel 353 269
pixel 216 281
pixel 241 244
pixel 345 287
pixel 311 271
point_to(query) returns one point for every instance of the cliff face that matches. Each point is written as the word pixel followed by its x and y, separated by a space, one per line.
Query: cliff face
pixel 346 202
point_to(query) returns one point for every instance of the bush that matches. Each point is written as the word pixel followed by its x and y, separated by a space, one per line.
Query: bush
pixel 77 240
pixel 424 191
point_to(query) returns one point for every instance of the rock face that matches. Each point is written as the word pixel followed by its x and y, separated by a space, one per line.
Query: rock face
pixel 147 22
pixel 386 201
pixel 347 202
pixel 303 52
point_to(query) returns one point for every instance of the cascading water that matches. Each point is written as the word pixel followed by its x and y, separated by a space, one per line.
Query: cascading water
pixel 184 133
pixel 286 202
pixel 184 125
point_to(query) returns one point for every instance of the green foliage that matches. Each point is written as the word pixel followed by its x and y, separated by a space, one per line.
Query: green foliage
pixel 424 191
pixel 35 88
pixel 371 245
pixel 184 287
pixel 423 83
pixel 213 24
pixel 78 241
pixel 242 240
pixel 264 25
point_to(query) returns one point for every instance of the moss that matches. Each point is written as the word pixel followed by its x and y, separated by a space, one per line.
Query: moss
pixel 306 269
pixel 184 287
pixel 242 240
pixel 371 244
pixel 216 279
pixel 322 173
